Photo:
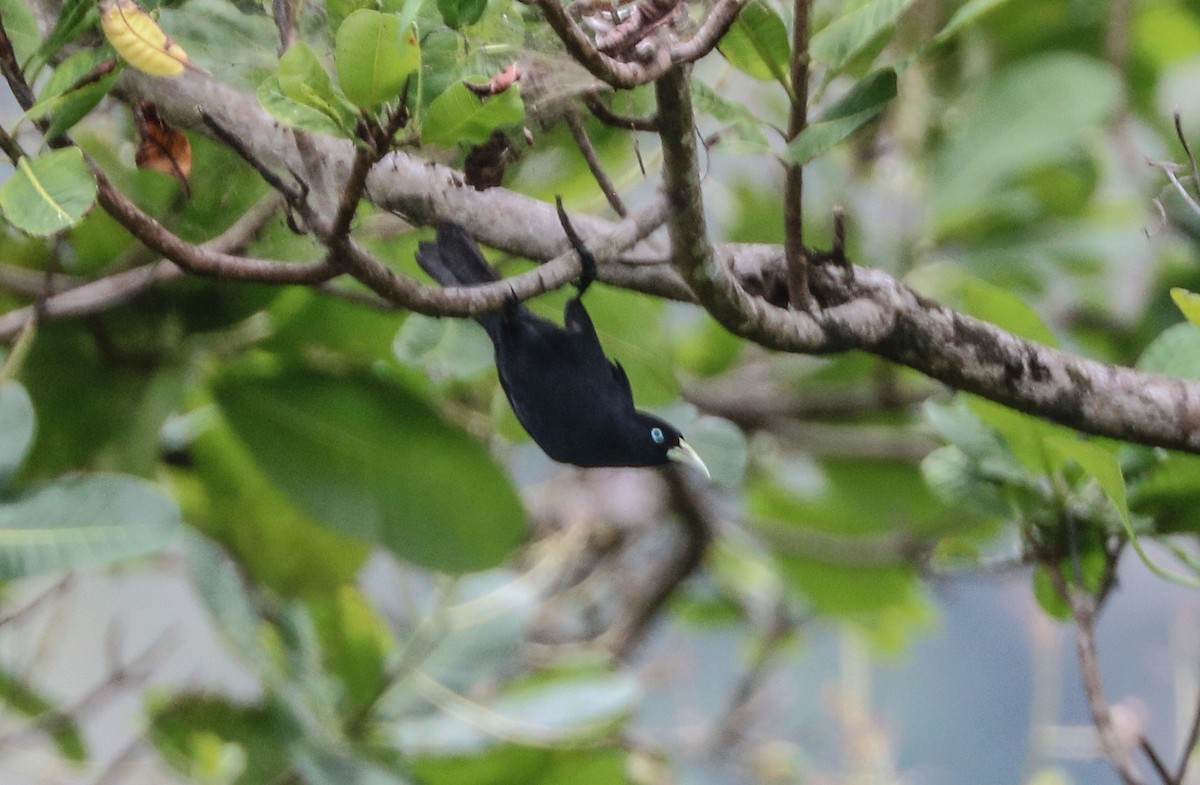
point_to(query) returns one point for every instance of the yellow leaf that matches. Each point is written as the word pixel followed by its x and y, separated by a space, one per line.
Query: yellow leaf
pixel 1189 304
pixel 139 40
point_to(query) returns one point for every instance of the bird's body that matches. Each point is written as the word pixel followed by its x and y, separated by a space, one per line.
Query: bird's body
pixel 575 403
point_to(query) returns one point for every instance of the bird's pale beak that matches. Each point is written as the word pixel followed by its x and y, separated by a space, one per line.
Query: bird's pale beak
pixel 683 453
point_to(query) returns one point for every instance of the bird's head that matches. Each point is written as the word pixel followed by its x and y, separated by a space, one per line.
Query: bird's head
pixel 662 440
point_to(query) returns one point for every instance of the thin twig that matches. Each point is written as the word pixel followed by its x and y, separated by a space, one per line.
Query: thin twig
pixel 1155 761
pixel 1083 608
pixel 695 516
pixel 352 192
pixel 730 729
pixel 799 294
pixel 121 675
pixel 365 299
pixel 604 113
pixel 114 771
pixel 1185 755
pixel 12 72
pixel 1187 149
pixel 579 134
pixel 195 259
pixel 1168 169
pixel 38 601
pixel 294 193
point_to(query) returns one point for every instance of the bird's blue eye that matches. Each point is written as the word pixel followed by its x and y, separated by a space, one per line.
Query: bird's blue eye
pixel 657 435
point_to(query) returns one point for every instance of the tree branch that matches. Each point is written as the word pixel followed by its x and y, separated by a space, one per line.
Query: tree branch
pixel 473 300
pixel 871 311
pixel 111 291
pixel 621 74
pixel 579 134
pixel 197 259
pixel 604 113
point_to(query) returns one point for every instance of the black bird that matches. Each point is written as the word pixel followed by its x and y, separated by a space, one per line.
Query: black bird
pixel 575 403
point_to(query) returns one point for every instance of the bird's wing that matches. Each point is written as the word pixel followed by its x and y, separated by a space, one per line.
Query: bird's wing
pixel 576 318
pixel 622 379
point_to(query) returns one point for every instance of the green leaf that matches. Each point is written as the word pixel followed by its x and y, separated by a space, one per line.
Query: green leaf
pixel 757 43
pixel 226 496
pixel 867 99
pixel 981 299
pixel 444 348
pixel 372 460
pixel 565 710
pixel 1004 309
pixel 17 425
pixel 337 11
pixel 323 766
pixel 76 17
pixel 845 37
pixel 1188 304
pixel 1046 593
pixel 742 126
pixel 209 30
pixel 1175 352
pixel 83 424
pixel 222 587
pixel 1169 492
pixel 1092 565
pixel 294 114
pixel 304 80
pixel 19 697
pixel 511 764
pixel 458 116
pixel 66 107
pixel 706 349
pixel 1025 116
pixel 841 543
pixel 22 28
pixel 306 321
pixel 953 477
pixel 459 13
pixel 1101 464
pixel 375 57
pixel 1024 434
pixel 84 520
pixel 486 622
pixel 49 193
pixel 966 14
pixel 356 644
pixel 191 730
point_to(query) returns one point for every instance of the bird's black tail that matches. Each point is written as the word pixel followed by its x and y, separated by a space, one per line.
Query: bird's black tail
pixel 455 260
